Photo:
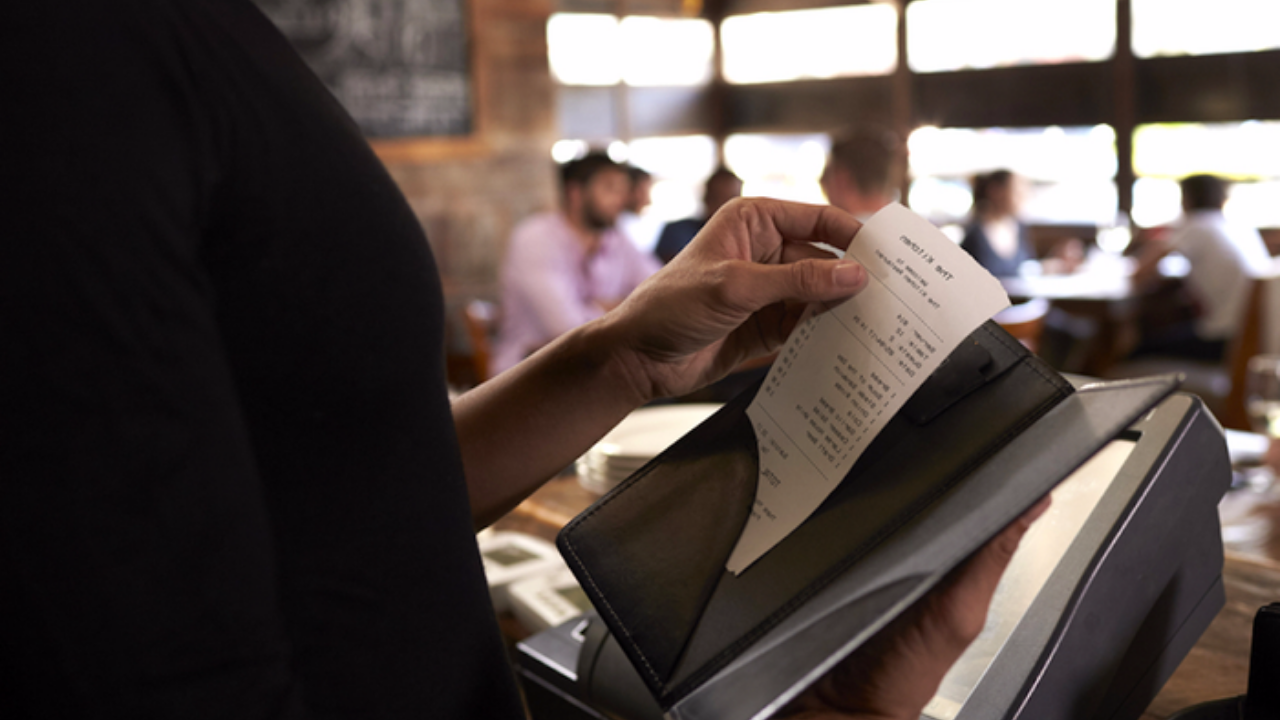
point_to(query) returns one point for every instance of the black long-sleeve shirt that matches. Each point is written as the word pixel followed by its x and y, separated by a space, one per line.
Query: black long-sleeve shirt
pixel 229 481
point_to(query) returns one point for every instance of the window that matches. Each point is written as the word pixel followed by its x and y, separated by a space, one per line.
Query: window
pixel 679 165
pixel 1070 171
pixel 1247 153
pixel 582 49
pixel 975 34
pixel 779 166
pixel 667 52
pixel 1194 27
pixel 800 44
pixel 593 49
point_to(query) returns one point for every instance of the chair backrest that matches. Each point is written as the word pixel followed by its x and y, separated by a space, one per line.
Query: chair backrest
pixel 1247 342
pixel 1270 302
pixel 480 318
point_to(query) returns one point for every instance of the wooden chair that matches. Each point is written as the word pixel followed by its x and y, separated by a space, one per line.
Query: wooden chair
pixel 480 319
pixel 1246 344
pixel 1221 385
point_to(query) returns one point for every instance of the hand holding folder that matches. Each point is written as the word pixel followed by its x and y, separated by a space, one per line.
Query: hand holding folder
pixel 948 472
pixel 897 672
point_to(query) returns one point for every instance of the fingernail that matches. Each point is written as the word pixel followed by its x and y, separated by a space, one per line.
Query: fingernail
pixel 849 275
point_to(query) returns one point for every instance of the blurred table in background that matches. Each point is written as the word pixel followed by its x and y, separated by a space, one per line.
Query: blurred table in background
pixel 1094 286
pixel 1095 309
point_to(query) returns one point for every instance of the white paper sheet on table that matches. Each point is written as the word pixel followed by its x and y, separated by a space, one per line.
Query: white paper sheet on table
pixel 844 373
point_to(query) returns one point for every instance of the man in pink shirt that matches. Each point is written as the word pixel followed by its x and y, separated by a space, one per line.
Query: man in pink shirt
pixel 568 266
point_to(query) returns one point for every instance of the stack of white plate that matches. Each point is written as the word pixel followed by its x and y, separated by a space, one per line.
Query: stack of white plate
pixel 636 440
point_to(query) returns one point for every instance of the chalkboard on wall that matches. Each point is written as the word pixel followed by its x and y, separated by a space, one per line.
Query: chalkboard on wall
pixel 400 67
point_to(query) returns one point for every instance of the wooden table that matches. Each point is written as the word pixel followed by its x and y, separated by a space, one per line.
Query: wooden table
pixel 1218 666
pixel 1109 285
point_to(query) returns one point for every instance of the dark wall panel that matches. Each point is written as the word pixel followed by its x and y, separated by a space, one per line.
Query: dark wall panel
pixel 669 110
pixel 1024 96
pixel 1078 94
pixel 1209 88
pixel 587 112
pixel 809 106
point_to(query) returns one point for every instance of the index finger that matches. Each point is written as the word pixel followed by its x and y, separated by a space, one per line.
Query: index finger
pixel 771 231
pixel 813 223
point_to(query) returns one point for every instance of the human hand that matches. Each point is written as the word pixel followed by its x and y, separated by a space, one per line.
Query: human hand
pixel 735 292
pixel 895 674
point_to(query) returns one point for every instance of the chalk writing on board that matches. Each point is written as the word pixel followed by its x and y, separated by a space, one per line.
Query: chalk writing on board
pixel 400 67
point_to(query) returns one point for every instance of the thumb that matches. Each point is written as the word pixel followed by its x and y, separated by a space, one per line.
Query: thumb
pixel 809 280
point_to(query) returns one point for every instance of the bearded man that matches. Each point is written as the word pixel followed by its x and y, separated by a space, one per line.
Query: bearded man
pixel 571 265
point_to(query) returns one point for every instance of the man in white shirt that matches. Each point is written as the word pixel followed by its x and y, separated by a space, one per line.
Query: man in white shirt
pixel 1223 257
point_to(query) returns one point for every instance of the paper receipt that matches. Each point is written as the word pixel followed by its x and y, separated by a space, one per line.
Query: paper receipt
pixel 843 373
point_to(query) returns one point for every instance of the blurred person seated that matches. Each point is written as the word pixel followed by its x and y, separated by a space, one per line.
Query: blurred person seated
pixel 720 188
pixel 996 237
pixel 236 488
pixel 568 266
pixel 864 171
pixel 1067 256
pixel 640 228
pixel 1001 242
pixel 1221 257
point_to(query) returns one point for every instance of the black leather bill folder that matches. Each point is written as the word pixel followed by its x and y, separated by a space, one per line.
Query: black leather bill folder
pixel 993 430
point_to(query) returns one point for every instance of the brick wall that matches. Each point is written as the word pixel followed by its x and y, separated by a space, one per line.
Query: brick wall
pixel 469 192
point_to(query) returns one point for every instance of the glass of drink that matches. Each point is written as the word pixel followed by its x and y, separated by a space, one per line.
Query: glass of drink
pixel 1262 404
pixel 1262 394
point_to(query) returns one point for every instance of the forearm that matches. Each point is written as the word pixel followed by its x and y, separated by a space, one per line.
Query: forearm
pixel 733 294
pixel 520 428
